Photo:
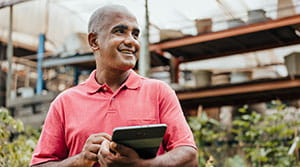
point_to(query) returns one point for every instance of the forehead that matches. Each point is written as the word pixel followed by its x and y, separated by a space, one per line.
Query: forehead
pixel 119 17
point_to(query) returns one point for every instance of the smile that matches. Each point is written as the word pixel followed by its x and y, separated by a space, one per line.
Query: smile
pixel 127 52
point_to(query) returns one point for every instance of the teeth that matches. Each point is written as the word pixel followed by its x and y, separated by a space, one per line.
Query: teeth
pixel 126 51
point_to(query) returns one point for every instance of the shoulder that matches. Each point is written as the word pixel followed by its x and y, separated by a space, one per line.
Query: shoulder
pixel 157 85
pixel 68 94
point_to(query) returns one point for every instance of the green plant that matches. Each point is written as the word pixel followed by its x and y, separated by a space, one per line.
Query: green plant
pixel 207 132
pixel 16 143
pixel 266 139
pixel 255 140
pixel 236 161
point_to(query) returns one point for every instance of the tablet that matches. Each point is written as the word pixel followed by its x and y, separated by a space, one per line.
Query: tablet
pixel 144 139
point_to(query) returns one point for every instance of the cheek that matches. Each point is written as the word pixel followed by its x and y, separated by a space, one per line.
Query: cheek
pixel 138 55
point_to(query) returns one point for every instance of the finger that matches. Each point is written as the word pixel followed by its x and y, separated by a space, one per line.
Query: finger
pixel 100 159
pixel 104 155
pixel 94 148
pixel 98 138
pixel 105 135
pixel 105 147
pixel 90 156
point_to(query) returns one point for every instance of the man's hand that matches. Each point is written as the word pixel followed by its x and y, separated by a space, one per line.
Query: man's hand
pixel 87 157
pixel 92 146
pixel 116 155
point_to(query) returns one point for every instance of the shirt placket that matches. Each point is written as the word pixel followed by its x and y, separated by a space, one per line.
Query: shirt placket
pixel 112 102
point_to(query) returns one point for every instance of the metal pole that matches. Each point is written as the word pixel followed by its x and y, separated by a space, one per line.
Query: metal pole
pixel 9 55
pixel 144 61
pixel 41 50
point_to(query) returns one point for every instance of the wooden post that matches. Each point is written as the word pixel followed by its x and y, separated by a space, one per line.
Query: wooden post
pixel 174 69
pixel 144 61
pixel 9 55
pixel 27 77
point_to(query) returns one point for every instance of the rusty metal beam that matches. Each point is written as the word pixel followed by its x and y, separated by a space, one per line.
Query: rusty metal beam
pixel 11 2
pixel 226 33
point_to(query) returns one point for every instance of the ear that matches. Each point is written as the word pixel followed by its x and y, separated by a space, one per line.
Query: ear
pixel 93 41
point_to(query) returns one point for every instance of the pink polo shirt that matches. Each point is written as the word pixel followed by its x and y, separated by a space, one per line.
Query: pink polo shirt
pixel 93 108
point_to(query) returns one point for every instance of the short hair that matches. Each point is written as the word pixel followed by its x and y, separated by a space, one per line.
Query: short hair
pixel 99 16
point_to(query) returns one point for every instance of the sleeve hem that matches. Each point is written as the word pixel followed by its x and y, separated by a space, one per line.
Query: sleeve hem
pixel 36 162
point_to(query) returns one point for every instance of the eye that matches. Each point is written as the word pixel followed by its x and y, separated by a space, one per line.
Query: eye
pixel 120 31
pixel 135 34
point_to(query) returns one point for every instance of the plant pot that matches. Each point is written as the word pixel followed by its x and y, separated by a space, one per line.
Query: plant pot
pixel 232 23
pixel 202 78
pixel 255 16
pixel 167 34
pixel 203 25
pixel 292 62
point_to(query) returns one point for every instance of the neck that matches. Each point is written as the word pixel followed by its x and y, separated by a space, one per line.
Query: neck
pixel 114 79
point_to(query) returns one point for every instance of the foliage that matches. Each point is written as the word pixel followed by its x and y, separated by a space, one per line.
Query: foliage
pixel 16 143
pixel 259 140
pixel 206 132
pixel 236 161
pixel 266 139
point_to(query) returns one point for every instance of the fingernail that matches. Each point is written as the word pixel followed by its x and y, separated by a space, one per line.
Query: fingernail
pixel 113 145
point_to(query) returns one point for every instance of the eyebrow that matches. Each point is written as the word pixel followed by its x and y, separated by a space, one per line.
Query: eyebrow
pixel 122 26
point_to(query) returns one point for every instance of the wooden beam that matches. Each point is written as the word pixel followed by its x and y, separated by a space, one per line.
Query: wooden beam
pixel 240 89
pixel 288 21
pixel 19 44
pixel 11 2
pixel 26 62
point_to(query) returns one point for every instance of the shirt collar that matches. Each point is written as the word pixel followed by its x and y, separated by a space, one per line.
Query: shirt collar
pixel 91 84
pixel 133 82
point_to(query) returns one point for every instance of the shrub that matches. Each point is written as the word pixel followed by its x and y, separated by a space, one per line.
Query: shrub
pixel 255 140
pixel 266 139
pixel 16 143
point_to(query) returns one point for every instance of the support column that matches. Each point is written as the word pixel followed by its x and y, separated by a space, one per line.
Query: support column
pixel 174 68
pixel 9 55
pixel 144 60
pixel 41 50
pixel 76 76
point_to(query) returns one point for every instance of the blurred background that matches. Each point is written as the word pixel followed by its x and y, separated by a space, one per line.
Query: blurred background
pixel 224 58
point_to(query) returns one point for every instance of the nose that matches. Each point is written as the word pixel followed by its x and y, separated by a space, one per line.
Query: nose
pixel 131 41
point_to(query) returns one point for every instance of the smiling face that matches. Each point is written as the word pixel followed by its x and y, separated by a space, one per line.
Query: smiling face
pixel 115 42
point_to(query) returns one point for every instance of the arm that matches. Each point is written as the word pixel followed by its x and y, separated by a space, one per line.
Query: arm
pixel 75 161
pixel 88 156
pixel 183 156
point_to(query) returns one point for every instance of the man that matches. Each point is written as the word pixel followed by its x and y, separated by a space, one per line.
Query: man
pixel 79 124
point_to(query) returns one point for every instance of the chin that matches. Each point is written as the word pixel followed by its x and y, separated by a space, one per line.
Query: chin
pixel 128 67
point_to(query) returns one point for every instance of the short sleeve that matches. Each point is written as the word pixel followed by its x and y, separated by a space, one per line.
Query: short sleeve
pixel 178 131
pixel 51 145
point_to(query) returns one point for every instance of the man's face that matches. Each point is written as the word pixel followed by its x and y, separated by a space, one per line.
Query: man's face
pixel 118 42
